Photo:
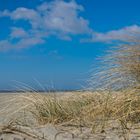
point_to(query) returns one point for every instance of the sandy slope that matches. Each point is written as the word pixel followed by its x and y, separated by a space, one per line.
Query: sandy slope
pixel 51 132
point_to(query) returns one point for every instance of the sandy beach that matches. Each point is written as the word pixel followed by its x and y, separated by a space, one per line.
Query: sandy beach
pixel 23 126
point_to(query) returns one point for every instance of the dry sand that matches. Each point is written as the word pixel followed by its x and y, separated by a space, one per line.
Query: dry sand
pixel 57 132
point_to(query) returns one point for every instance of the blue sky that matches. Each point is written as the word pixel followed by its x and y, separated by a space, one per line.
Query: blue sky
pixel 56 42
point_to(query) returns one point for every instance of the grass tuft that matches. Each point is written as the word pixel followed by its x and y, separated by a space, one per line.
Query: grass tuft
pixel 96 110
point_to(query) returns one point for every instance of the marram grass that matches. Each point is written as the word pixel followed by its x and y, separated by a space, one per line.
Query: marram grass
pixel 79 109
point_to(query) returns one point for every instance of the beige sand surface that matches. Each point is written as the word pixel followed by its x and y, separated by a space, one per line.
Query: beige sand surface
pixel 58 132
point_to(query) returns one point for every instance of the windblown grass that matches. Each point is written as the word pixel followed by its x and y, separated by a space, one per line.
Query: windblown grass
pixel 119 68
pixel 55 109
pixel 94 110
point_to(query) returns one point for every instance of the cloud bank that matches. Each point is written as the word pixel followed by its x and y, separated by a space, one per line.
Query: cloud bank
pixel 59 19
pixel 125 34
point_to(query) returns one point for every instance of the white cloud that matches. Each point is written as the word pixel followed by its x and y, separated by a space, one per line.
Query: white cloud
pixel 56 18
pixel 28 42
pixel 30 15
pixel 60 19
pixel 23 43
pixel 125 34
pixel 18 33
pixel 64 17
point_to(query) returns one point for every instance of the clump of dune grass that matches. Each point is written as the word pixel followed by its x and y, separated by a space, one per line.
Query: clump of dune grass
pixel 119 68
pixel 94 110
pixel 120 71
pixel 98 110
pixel 54 109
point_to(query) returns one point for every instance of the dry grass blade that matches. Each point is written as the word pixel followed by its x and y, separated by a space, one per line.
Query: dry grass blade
pixel 120 68
pixel 51 109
